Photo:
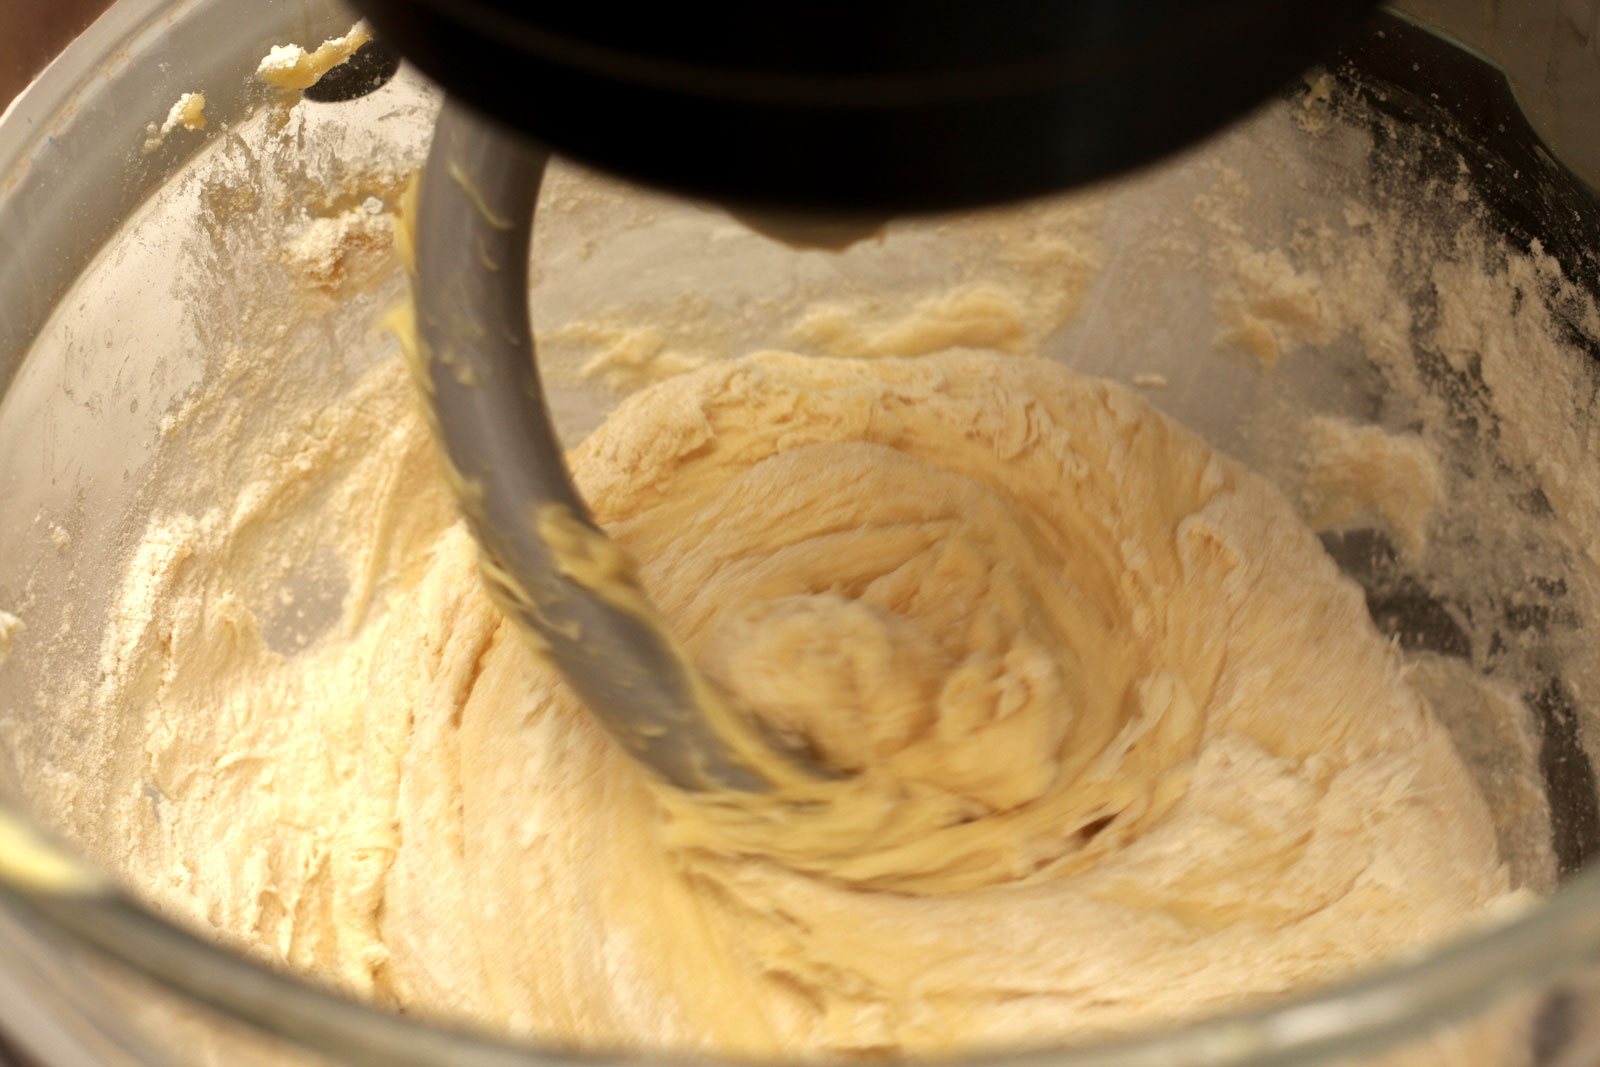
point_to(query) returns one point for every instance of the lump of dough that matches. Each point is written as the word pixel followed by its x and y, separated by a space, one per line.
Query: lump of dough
pixel 1127 748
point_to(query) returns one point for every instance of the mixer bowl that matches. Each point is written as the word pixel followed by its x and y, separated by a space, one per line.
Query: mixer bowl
pixel 142 285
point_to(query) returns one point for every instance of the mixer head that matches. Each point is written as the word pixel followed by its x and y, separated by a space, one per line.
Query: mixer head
pixel 872 106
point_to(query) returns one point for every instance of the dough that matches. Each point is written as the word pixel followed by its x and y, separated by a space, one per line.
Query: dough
pixel 288 66
pixel 1127 748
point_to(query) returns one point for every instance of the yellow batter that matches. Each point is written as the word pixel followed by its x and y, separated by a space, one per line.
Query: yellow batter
pixel 1126 746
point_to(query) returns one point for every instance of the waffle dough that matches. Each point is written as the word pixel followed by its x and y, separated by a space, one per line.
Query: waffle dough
pixel 1127 747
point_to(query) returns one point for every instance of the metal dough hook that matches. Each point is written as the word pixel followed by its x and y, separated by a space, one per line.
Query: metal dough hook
pixel 547 564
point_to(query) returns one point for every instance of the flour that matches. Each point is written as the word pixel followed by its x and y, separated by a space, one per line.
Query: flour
pixel 335 252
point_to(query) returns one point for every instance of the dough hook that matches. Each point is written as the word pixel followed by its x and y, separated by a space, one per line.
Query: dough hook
pixel 545 561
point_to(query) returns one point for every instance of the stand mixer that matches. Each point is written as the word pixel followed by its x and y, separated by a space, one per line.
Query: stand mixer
pixel 811 123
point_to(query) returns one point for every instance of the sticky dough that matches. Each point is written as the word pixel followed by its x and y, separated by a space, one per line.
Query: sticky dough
pixel 1125 745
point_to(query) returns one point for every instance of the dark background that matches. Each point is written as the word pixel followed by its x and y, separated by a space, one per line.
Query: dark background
pixel 32 31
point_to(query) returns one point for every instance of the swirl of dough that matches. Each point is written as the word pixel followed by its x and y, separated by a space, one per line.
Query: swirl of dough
pixel 992 591
pixel 1123 744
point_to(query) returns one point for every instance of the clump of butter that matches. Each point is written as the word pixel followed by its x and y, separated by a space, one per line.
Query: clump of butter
pixel 289 66
pixel 188 111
